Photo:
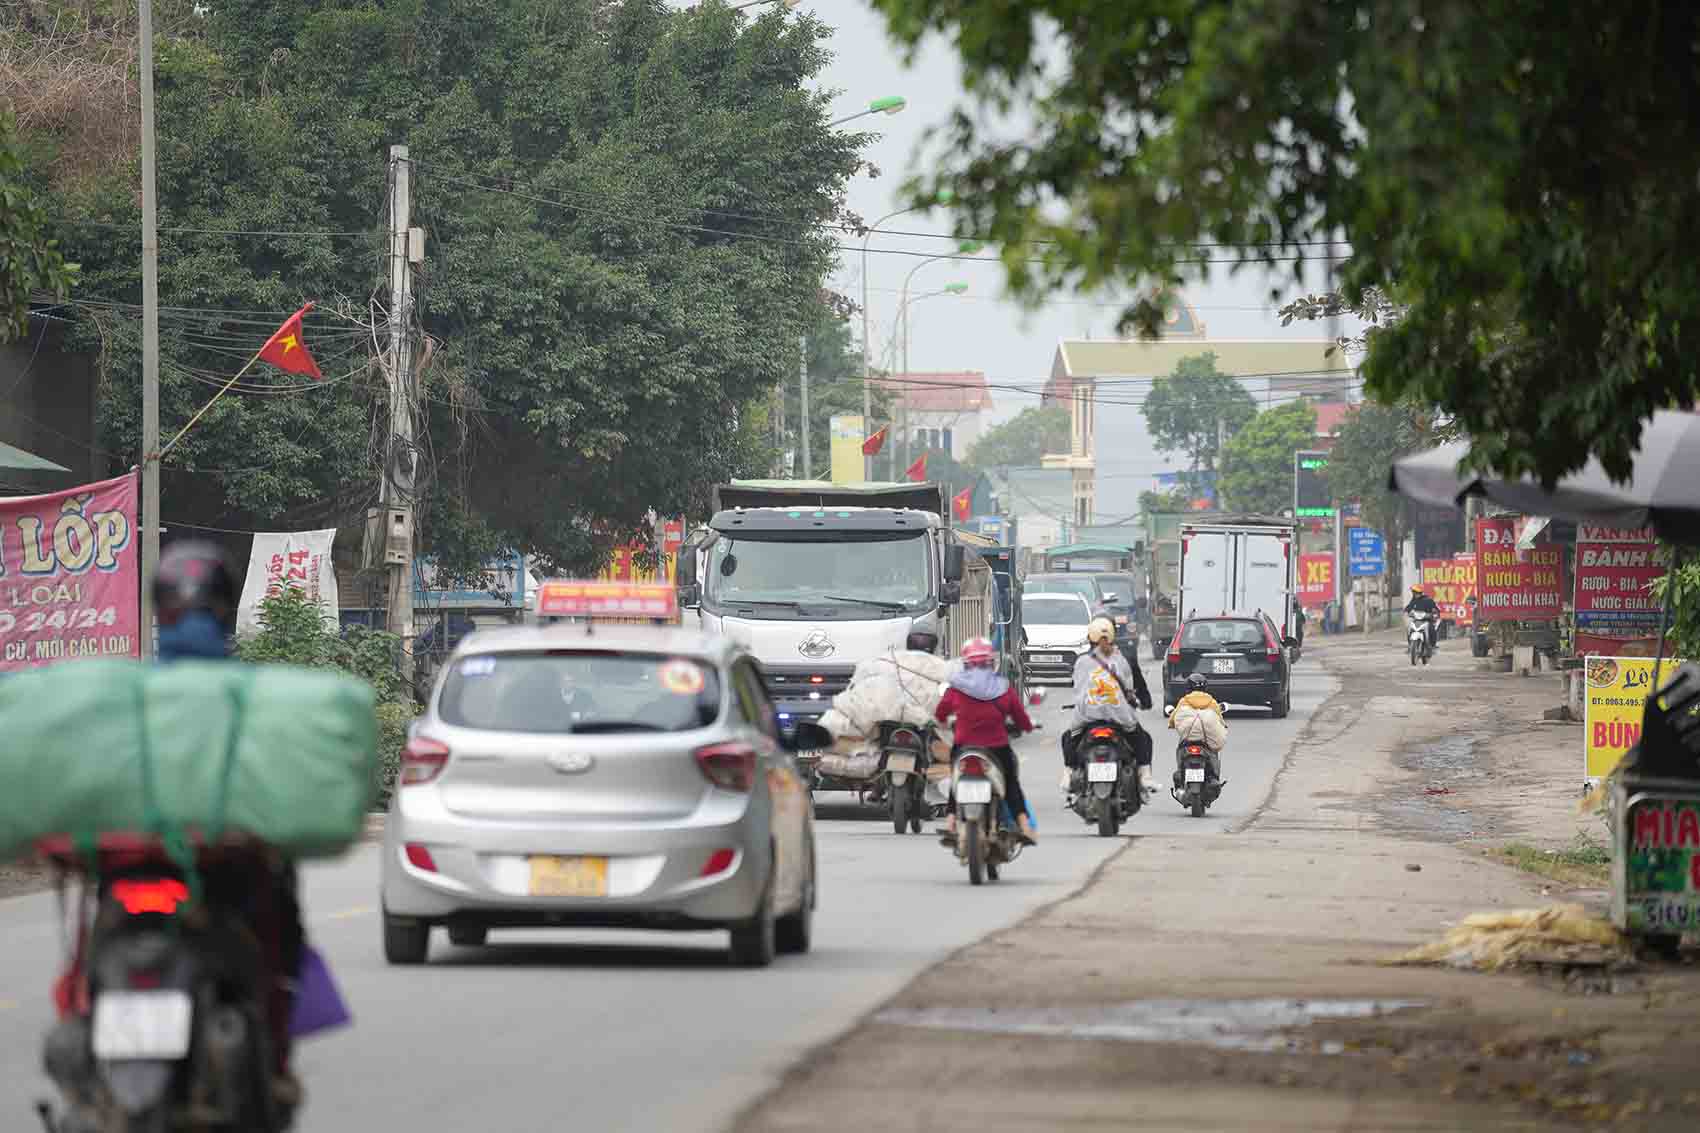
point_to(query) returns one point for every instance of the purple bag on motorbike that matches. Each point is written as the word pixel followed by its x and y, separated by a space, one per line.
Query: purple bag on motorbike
pixel 318 1004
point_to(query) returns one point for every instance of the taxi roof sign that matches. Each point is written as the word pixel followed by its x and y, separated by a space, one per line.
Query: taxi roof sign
pixel 600 599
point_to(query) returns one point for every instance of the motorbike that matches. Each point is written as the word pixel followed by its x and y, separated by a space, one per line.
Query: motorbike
pixel 905 755
pixel 175 1030
pixel 1195 787
pixel 985 832
pixel 1106 785
pixel 1417 635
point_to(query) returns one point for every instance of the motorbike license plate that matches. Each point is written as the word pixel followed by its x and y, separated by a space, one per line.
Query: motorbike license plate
pixel 1195 774
pixel 1222 665
pixel 569 877
pixel 153 1024
pixel 900 763
pixel 1101 772
pixel 974 791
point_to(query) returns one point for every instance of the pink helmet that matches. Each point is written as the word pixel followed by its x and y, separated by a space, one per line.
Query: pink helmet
pixel 978 653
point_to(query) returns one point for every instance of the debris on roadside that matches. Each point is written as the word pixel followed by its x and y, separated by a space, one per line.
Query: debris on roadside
pixel 1566 935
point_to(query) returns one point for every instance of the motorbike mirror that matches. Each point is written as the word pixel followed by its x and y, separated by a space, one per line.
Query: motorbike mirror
pixel 1168 709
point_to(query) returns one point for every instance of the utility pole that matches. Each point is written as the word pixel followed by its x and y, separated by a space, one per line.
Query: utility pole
pixel 808 472
pixel 150 517
pixel 397 483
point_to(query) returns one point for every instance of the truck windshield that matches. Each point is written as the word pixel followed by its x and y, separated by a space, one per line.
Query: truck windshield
pixel 883 572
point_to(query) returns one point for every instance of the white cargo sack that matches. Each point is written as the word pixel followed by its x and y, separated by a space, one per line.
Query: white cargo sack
pixel 901 687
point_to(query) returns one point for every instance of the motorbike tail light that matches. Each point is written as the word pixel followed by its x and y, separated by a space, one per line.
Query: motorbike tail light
pixel 143 979
pixel 159 895
pixel 718 862
pixel 1103 733
pixel 422 760
pixel 1194 749
pixel 971 765
pixel 419 857
pixel 728 766
pixel 903 737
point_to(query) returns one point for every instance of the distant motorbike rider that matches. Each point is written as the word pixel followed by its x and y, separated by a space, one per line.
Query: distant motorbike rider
pixel 1198 718
pixel 1421 603
pixel 1106 688
pixel 195 594
pixel 982 700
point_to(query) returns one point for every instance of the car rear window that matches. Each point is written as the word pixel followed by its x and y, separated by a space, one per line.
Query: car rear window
pixel 1054 611
pixel 1084 587
pixel 1122 588
pixel 1221 634
pixel 580 692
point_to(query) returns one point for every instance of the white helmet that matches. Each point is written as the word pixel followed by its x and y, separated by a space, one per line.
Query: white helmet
pixel 1100 630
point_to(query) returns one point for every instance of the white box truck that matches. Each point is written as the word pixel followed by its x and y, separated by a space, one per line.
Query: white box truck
pixel 1239 564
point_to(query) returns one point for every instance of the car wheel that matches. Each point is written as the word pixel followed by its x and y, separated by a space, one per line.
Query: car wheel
pixel 468 935
pixel 755 942
pixel 1283 705
pixel 406 942
pixel 795 933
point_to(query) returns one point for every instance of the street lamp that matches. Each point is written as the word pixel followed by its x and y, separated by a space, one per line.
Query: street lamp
pixel 957 288
pixel 891 104
pixel 943 198
pixel 963 248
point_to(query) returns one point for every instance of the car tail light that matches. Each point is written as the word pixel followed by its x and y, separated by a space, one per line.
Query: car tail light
pixel 971 765
pixel 140 896
pixel 1103 733
pixel 422 760
pixel 729 766
pixel 718 862
pixel 419 857
pixel 1174 657
pixel 1269 641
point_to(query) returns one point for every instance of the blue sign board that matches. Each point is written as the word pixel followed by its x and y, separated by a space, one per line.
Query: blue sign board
pixel 1367 552
pixel 505 586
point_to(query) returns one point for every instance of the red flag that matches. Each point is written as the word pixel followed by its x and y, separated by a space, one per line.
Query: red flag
pixel 287 351
pixel 918 471
pixel 963 503
pixel 872 446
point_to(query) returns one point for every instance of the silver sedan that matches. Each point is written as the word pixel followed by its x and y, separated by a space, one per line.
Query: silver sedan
pixel 629 777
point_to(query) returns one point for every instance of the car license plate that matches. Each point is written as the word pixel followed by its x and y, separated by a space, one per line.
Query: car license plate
pixel 569 877
pixel 1101 772
pixel 152 1024
pixel 900 763
pixel 974 791
pixel 1195 774
pixel 1222 665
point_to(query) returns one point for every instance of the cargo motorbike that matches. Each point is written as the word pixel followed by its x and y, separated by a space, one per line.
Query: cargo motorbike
pixel 905 756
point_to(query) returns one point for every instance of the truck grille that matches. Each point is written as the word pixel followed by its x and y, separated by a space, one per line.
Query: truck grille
pixel 820 683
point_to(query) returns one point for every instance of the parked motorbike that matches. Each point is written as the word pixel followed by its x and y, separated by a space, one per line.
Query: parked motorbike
pixel 1106 785
pixel 1417 635
pixel 904 759
pixel 175 1030
pixel 1195 787
pixel 985 832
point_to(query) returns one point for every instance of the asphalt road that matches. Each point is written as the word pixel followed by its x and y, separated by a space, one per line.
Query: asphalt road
pixel 650 1031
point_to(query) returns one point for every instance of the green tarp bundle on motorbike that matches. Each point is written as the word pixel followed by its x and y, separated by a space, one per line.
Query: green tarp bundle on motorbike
pixel 285 754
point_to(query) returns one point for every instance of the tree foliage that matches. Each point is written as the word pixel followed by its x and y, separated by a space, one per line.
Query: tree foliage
pixel 623 207
pixel 1257 465
pixel 30 258
pixel 1196 409
pixel 1172 502
pixel 1024 439
pixel 1684 632
pixel 1510 175
pixel 1371 438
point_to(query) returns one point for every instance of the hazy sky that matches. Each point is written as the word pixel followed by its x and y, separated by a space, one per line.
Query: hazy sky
pixel 980 330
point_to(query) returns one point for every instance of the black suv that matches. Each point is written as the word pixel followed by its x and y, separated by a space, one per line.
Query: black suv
pixel 1241 655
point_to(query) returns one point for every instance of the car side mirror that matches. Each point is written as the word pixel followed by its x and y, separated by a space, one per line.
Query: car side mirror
pixel 950 593
pixel 807 736
pixel 1290 641
pixel 1112 600
pixel 690 596
pixel 955 563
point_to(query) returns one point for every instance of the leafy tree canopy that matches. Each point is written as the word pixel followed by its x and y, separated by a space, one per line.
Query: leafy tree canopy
pixel 1371 438
pixel 1172 502
pixel 1195 409
pixel 623 208
pixel 1021 441
pixel 30 259
pixel 1257 465
pixel 1511 175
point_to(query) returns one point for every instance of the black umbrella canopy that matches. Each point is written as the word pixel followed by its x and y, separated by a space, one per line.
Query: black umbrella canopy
pixel 1663 491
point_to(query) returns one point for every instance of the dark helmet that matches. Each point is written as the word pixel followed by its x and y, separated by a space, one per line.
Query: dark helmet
pixel 1198 682
pixel 922 641
pixel 195 575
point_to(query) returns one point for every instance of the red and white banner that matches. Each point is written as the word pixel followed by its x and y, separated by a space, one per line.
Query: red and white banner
pixel 1616 613
pixel 1517 585
pixel 296 560
pixel 70 575
pixel 1452 583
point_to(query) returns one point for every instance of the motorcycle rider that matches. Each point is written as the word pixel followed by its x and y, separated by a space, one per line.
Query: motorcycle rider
pixel 196 594
pixel 1198 718
pixel 982 699
pixel 1106 687
pixel 1422 603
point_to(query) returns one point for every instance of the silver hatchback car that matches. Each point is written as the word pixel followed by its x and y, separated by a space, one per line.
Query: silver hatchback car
pixel 629 777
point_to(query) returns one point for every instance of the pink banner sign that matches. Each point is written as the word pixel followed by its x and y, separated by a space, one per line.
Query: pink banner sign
pixel 70 570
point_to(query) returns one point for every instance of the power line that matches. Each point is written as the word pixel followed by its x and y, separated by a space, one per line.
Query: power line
pixel 263 233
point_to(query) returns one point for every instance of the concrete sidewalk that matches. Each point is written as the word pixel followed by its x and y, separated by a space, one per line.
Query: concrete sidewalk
pixel 1332 876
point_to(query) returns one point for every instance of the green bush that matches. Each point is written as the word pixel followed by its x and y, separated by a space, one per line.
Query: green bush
pixel 293 632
